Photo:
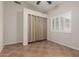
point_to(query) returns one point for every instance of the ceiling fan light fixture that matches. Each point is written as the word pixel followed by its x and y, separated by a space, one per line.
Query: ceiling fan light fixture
pixel 17 2
pixel 49 2
pixel 38 2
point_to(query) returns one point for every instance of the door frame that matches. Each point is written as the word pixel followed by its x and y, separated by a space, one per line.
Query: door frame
pixel 27 11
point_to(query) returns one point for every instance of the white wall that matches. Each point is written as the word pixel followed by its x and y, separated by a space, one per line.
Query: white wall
pixel 1 26
pixel 13 25
pixel 67 39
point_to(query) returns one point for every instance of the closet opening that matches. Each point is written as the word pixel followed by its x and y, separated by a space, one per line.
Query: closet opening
pixel 37 28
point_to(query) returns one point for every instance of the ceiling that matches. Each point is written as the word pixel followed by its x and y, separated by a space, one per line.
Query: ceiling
pixel 43 6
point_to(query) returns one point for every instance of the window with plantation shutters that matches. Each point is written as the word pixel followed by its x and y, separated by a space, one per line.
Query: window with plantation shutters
pixel 61 23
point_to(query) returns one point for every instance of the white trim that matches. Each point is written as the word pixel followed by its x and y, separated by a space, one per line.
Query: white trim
pixel 25 22
pixel 1 49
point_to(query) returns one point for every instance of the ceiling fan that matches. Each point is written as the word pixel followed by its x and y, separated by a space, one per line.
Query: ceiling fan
pixel 49 2
pixel 17 2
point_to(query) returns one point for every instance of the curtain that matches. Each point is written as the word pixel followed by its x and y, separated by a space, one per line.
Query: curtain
pixel 37 28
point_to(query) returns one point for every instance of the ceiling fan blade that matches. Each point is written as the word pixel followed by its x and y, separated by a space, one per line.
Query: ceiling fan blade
pixel 17 2
pixel 49 2
pixel 38 2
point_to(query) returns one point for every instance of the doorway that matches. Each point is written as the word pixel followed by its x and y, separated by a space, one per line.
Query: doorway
pixel 37 28
pixel 27 28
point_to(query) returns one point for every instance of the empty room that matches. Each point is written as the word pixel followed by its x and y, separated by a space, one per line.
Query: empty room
pixel 39 29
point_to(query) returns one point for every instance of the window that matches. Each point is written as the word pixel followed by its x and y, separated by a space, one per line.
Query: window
pixel 62 23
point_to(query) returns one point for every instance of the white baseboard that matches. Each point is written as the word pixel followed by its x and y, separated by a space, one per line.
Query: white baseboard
pixel 25 44
pixel 65 45
pixel 1 49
